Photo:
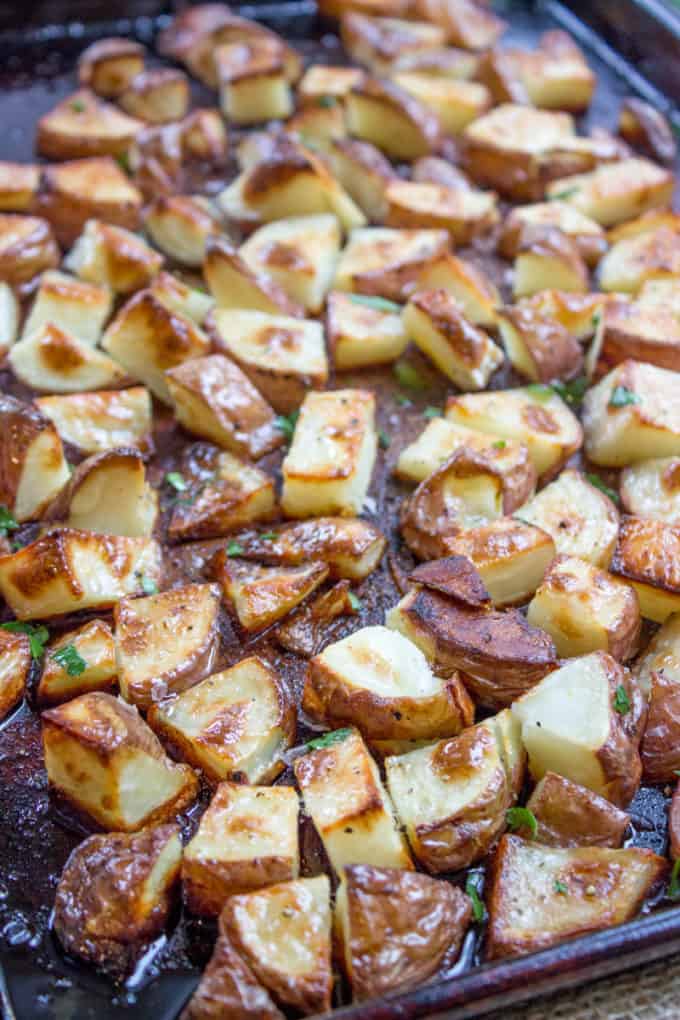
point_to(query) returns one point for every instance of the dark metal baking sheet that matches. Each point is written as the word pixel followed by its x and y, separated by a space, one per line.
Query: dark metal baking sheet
pixel 634 45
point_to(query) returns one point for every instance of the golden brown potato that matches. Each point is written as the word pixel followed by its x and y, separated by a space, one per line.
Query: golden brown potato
pixel 364 173
pixel 82 125
pixel 180 297
pixel 109 65
pixel 646 327
pixel 571 815
pixel 157 95
pixel 380 112
pixel 386 262
pixel 113 257
pixel 470 25
pixel 322 80
pixel 565 893
pixel 180 226
pixel 204 137
pixel 538 347
pixel 455 576
pixel 466 282
pixel 95 422
pixel 440 439
pixel 359 334
pixel 85 189
pixel 378 909
pixel 229 988
pixel 662 655
pixel 15 667
pixel 554 76
pixel 455 103
pixel 674 825
pixel 260 596
pixel 616 192
pixel 77 307
pixel 307 630
pixel 464 213
pixel 645 128
pixel 547 258
pixel 579 314
pixel 254 86
pixel 234 284
pixel 645 249
pixel 115 895
pixel 659 749
pixel 436 170
pixel 50 360
pixel 27 248
pixel 378 42
pixel 101 756
pixel 589 237
pixel 19 184
pixel 646 556
pixel 78 662
pixel 500 653
pixel 33 468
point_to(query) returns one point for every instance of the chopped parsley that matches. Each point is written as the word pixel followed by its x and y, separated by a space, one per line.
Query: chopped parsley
pixel 621 396
pixel 559 196
pixel 673 891
pixel 403 401
pixel 177 481
pixel 603 487
pixel 149 586
pixel 472 890
pixel 560 887
pixel 540 391
pixel 500 444
pixel 37 634
pixel 572 392
pixel 326 102
pixel 408 376
pixel 432 412
pixel 234 548
pixel 78 106
pixel 123 161
pixel 621 701
pixel 7 521
pixel 384 438
pixel 354 601
pixel 380 304
pixel 595 321
pixel 269 536
pixel 70 659
pixel 287 423
pixel 520 818
pixel 328 739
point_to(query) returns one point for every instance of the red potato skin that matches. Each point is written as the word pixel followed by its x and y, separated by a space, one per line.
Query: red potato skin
pixel 674 823
pixel 660 748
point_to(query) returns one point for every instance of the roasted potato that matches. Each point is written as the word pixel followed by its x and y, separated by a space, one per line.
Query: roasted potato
pixel 33 468
pixel 180 226
pixel 455 576
pixel 476 293
pixel 659 748
pixel 82 125
pixel 646 327
pixel 538 346
pixel 548 259
pixel 378 42
pixel 19 184
pixel 589 237
pixel 569 815
pixel 364 173
pixel 440 439
pixel 387 262
pixel 470 25
pixel 228 985
pixel 78 662
pixel 306 631
pixel 109 65
pixel 95 422
pixel 157 95
pixel 233 283
pixel 662 655
pixel 646 556
pixel 455 103
pixel 51 360
pixel 463 212
pixel 380 112
pixel 645 128
pixel 71 304
pixel 9 318
pixel 650 251
pixel 179 297
pixel 27 249
pixel 361 332
pixel 85 189
pixel 15 668
pixel 322 80
pixel 616 192
pixel 260 596
pixel 254 85
pixel 113 257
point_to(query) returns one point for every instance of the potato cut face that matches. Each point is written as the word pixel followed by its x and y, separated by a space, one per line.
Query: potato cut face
pixel 95 422
pixel 320 80
pixel 78 662
pixel 180 225
pixel 230 983
pixel 9 318
pixel 247 838
pixel 451 797
pixel 455 103
pixel 662 655
pixel 299 254
pixel 115 895
pixel 477 295
pixel 157 95
pixel 151 663
pixel 633 414
pixel 439 440
pixel 33 467
pixel 538 347
pixel 233 283
pixel 83 125
pixel 109 65
pixel 646 557
pixel 580 518
pixel 18 186
pixel 233 725
pixel 284 935
pixel 101 755
pixel 540 420
pixel 571 725
pixel 613 193
pixel 569 815
pixel 15 667
pixel 73 305
pixel 380 682
pixel 329 464
pixel 646 327
pixel 464 212
pixel 27 248
pixel 282 356
pixel 653 254
pixel 548 259
pixel 352 812
pixel 378 42
pixel 259 596
pixel 364 173
pixel 392 119
pixel 387 262
pixel 589 236
pixel 586 610
pixel 360 334
pixel 113 257
pixel 82 189
pixel 51 360
pixel 179 297
pixel 528 909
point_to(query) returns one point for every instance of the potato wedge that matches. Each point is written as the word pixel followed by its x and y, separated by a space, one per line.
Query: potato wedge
pixel 589 237
pixel 647 129
pixel 662 655
pixel 247 838
pixel 15 668
pixel 463 212
pixel 646 327
pixel 362 332
pixel 179 297
pixel 307 631
pixel 455 103
pixel 180 226
pixel 455 576
pixel 555 75
pixel 113 257
pixel 538 347
pixel 344 795
pixel 157 95
pixel 569 815
pixel 386 262
pixel 548 259
pixel 470 25
pixel 78 662
pixel 27 249
pixel 659 748
pixel 635 258
pixel 447 62
pixel 51 360
pixel 73 193
pixel 646 557
pixel 233 283
pixel 254 86
pixel 380 112
pixel 33 468
pixel 378 42
pixel 228 985
pixel 321 80
pixel 616 192
pixel 19 183
pixel 260 596
pixel 364 173
pixel 84 125
pixel 476 293
pixel 439 440
pixel 604 887
pixel 103 758
pixel 109 65
pixel 95 422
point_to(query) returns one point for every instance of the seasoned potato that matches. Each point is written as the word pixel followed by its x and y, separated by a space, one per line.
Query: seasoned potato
pixel 650 252
pixel 109 65
pixel 584 721
pixel 646 327
pixel 179 297
pixel 254 86
pixel 362 332
pixel 51 360
pixel 378 909
pixel 319 125
pixel 329 464
pixel 455 576
pixel 533 415
pixel 500 653
pixel 147 338
pixel 579 314
pixel 477 295
pixel 19 184
pixel 588 236
pixel 463 212
pixel 569 815
pixel 440 439
pixel 259 596
pixel 306 631
pixel 633 414
pixel 444 62
pixel 380 682
pixel 581 519
pixel 345 797
pixel 586 610
pixel 109 493
pixel 452 797
pixel 378 42
pixel 647 129
pixel 180 225
pixel 79 308
pixel 364 173
pixel 203 137
pixel 15 668
pixel 84 189
pixel 380 112
pixel 659 749
pixel 233 283
pixel 652 489
pixel 27 248
pixel 233 725
pixel 540 896
pixel 322 80
pixel 33 467
pixel 224 493
pixel 83 125
pixel 299 254
pixel 283 357
pixel 387 262
pixel 616 192
pixel 229 986
pixel 538 347
pixel 113 257
pixel 95 422
pixel 213 398
pixel 101 756
pixel 115 895
pixel 166 642
pixel 247 838
pixel 547 258
pixel 9 318
pixel 662 655
pixel 455 103
pixel 157 95
pixel 554 76
pixel 646 556
pixel 78 662
pixel 284 935
pixel 470 25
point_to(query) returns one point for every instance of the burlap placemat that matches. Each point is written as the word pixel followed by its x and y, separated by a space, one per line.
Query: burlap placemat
pixel 649 993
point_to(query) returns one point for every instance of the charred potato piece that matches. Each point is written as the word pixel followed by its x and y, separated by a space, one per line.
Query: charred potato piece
pixel 247 838
pixel 233 725
pixel 345 797
pixel 254 87
pixel 328 467
pixel 586 610
pixel 361 333
pixel 180 226
pixel 15 668
pixel 166 642
pixel 84 189
pixel 463 212
pixel 78 662
pixel 388 262
pixel 260 596
pixel 306 631
pixel 569 815
pixel 71 304
pixel 83 125
pixel 378 42
pixel 51 360
pixel 455 576
pixel 27 248
pixel 101 756
pixel 393 120
pixel 616 192
pixel 233 283
pixel 95 422
pixel 646 129
pixel 584 721
pixel 228 986
pixel 109 65
pixel 604 887
pixel 115 895
pixel 659 748
pixel 380 682
pixel 588 236
pixel 33 467
pixel 547 258
pixel 646 556
pixel 158 95
pixel 364 173
pixel 376 912
pixel 113 257
pixel 19 183
pixel 538 346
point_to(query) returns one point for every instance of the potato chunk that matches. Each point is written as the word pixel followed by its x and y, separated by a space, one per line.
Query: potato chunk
pixel 589 237
pixel 115 895
pixel 650 252
pixel 33 468
pixel 463 352
pixel 247 838
pixel 230 987
pixel 214 398
pixel 378 42
pixel 259 596
pixel 533 416
pixel 632 414
pixel 113 257
pixel 362 332
pixel 27 248
pixel 19 184
pixel 329 464
pixel 50 360
pixel 95 422
pixel 378 909
pixel 283 357
pixel 109 65
pixel 254 87
pixel 165 643
pixel 584 721
pixel 78 662
pixel 73 193
pixel 464 213
pixel 180 225
pixel 320 80
pixel 284 935
pixel 646 328
pixel 455 103
pixel 380 682
pixel 616 192
pixel 233 725
pixel 233 283
pixel 547 258
pixel 646 556
pixel 15 668
pixel 380 112
pixel 538 346
pixel 83 125
pixel 659 748
pixel 470 25
pixel 662 655
pixel 581 519
pixel 586 610
pixel 571 815
pixel 476 293
pixel 387 262
pixel 75 306
pixel 147 338
pixel 440 439
pixel 364 173
pixel 157 95
pixel 9 318
pixel 101 756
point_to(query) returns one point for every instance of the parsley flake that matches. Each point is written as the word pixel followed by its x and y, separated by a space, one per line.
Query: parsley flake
pixel 472 890
pixel 177 481
pixel 572 392
pixel 268 536
pixel 408 376
pixel 287 423
pixel 673 891
pixel 560 887
pixel 384 438
pixel 621 701
pixel 328 739
pixel 354 601
pixel 37 635
pixel 560 196
pixel 540 391
pixel 234 548
pixel 326 102
pixel 7 521
pixel 603 487
pixel 78 106
pixel 520 818
pixel 70 659
pixel 500 444
pixel 621 396
pixel 123 161
pixel 432 412
pixel 380 304
pixel 149 586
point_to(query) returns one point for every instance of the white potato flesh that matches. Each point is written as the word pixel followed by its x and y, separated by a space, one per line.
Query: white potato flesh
pixel 75 306
pixel 651 488
pixel 95 422
pixel 50 360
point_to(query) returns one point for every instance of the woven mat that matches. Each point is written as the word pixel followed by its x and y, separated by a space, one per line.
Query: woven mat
pixel 650 993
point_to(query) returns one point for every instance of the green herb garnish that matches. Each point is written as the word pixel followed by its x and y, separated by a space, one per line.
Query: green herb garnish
pixel 567 193
pixel 70 659
pixel 326 102
pixel 287 423
pixel 621 701
pixel 149 586
pixel 478 908
pixel 408 376
pixel 7 521
pixel 78 106
pixel 540 391
pixel 327 740
pixel 432 412
pixel 403 401
pixel 37 635
pixel 621 396
pixel 380 304
pixel 384 438
pixel 177 481
pixel 560 887
pixel 520 818
pixel 234 548
pixel 269 536
pixel 354 601
pixel 673 890
pixel 500 444
pixel 572 392
pixel 603 487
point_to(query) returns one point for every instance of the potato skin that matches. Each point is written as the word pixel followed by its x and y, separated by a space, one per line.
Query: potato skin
pixel 386 907
pixel 674 823
pixel 228 988
pixel 569 815
pixel 660 748
pixel 455 576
